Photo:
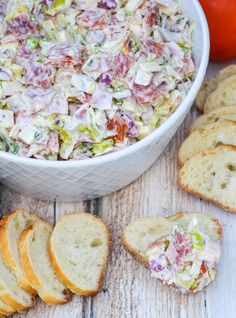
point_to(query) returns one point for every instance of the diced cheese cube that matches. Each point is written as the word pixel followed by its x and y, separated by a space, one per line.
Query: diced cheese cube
pixel 143 78
pixel 83 83
pixel 152 66
pixel 6 118
pixel 28 134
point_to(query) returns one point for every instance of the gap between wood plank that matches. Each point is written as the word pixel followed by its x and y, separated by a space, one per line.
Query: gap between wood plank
pixel 92 207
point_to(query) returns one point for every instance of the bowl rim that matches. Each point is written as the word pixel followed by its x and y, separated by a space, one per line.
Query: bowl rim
pixel 179 112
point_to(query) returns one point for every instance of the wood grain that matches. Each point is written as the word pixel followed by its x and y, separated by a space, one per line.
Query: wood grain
pixel 128 290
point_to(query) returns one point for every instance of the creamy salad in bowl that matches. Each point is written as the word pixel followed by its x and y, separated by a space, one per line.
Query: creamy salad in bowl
pixel 79 79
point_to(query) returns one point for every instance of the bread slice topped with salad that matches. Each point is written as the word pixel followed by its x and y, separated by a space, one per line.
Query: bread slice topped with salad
pixel 78 249
pixel 37 268
pixel 11 227
pixel 181 251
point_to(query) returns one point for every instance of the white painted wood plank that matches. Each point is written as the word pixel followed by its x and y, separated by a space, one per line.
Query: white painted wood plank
pixel 220 296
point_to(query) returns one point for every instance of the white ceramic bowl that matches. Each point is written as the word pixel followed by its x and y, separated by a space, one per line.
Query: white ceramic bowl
pixel 90 178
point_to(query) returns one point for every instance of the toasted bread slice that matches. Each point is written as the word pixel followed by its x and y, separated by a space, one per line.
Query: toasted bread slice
pixel 38 270
pixel 220 133
pixel 207 87
pixel 211 175
pixel 224 95
pixel 138 235
pixel 6 309
pixel 210 85
pixel 12 225
pixel 10 292
pixel 214 116
pixel 79 248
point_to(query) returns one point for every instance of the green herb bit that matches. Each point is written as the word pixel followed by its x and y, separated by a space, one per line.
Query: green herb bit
pixel 166 244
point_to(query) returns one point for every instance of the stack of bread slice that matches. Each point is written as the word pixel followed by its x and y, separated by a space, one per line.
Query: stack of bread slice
pixel 208 155
pixel 53 262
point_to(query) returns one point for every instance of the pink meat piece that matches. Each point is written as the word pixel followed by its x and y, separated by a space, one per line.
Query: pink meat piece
pixel 150 12
pixel 65 55
pixel 36 99
pixel 107 4
pixel 94 19
pixel 146 95
pixel 189 67
pixel 152 47
pixel 182 245
pixel 121 65
pixel 22 24
pixel 37 74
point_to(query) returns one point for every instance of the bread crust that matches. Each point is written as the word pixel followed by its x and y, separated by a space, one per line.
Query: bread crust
pixel 6 312
pixel 199 194
pixel 216 114
pixel 7 298
pixel 32 276
pixel 207 87
pixel 7 254
pixel 197 133
pixel 64 279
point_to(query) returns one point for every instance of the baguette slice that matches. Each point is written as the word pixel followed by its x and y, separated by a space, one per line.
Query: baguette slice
pixel 33 246
pixel 79 248
pixel 209 137
pixel 214 116
pixel 211 175
pixel 10 292
pixel 210 85
pixel 141 233
pixel 6 309
pixel 207 87
pixel 224 95
pixel 12 225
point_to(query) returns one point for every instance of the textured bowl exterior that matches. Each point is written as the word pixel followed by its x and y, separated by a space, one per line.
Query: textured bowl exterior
pixel 90 178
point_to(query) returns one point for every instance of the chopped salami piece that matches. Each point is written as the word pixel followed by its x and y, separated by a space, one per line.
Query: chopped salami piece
pixel 65 55
pixel 146 95
pixel 22 24
pixel 151 10
pixel 120 127
pixel 107 4
pixel 53 142
pixel 122 64
pixel 37 74
pixel 152 47
pixel 95 19
pixel 189 67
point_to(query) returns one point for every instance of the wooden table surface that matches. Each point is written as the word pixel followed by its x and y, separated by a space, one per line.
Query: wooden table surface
pixel 128 290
